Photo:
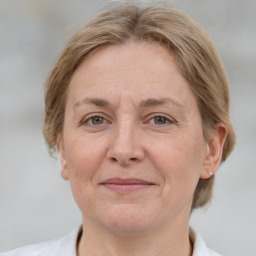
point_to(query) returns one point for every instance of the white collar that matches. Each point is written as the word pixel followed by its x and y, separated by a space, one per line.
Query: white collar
pixel 199 246
pixel 68 244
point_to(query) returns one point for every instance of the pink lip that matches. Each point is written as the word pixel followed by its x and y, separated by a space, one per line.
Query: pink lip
pixel 126 185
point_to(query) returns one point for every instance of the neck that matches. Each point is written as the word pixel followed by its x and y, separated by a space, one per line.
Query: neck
pixel 162 242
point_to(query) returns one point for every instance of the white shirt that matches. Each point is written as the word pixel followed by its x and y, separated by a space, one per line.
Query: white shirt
pixel 66 246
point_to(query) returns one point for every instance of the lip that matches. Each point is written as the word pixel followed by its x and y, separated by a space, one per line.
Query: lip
pixel 126 185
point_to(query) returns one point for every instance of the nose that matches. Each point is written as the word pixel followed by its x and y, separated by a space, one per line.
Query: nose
pixel 125 146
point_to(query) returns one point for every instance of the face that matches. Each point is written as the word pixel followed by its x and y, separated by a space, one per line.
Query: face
pixel 132 145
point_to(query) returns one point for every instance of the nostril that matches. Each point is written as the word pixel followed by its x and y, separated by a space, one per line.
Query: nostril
pixel 124 161
pixel 113 159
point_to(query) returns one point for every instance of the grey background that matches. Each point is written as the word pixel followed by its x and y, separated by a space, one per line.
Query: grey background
pixel 35 203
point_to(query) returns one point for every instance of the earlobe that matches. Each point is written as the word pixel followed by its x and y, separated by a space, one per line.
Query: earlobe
pixel 214 151
pixel 62 158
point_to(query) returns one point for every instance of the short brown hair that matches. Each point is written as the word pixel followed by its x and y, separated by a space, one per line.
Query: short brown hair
pixel 195 55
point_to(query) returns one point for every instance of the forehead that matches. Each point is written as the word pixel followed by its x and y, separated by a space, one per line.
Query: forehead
pixel 141 69
pixel 130 57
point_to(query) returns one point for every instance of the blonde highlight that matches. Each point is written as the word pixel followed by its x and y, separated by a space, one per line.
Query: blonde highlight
pixel 195 55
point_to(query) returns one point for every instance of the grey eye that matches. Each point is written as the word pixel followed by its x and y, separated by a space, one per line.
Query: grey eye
pixel 160 120
pixel 97 120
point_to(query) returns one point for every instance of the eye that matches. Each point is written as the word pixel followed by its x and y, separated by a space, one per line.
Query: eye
pixel 160 120
pixel 97 120
pixel 94 120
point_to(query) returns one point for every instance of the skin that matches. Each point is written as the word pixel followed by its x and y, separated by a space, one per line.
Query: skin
pixel 131 114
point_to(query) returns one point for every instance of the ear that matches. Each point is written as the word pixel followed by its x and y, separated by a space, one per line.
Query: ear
pixel 63 162
pixel 214 149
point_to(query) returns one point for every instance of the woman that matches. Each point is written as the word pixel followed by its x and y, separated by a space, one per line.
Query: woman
pixel 138 108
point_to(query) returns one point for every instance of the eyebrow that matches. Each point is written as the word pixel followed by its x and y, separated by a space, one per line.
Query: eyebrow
pixel 95 101
pixel 144 104
pixel 156 102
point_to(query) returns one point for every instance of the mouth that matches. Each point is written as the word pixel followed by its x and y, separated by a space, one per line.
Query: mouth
pixel 126 185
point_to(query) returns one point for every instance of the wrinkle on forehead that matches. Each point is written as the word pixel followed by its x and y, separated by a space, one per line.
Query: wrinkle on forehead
pixel 125 99
pixel 138 73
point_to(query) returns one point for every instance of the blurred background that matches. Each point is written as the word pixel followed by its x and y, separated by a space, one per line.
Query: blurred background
pixel 35 203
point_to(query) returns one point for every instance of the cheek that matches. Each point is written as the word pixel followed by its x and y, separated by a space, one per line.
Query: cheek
pixel 84 158
pixel 179 160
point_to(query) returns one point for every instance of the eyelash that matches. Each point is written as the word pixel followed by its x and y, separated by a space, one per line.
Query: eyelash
pixel 167 120
pixel 89 119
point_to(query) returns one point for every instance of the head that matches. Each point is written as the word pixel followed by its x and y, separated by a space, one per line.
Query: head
pixel 191 49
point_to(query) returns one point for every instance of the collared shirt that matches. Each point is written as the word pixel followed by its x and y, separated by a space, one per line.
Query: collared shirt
pixel 66 246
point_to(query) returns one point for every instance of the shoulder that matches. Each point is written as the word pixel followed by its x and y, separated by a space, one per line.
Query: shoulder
pixel 57 247
pixel 200 248
pixel 49 248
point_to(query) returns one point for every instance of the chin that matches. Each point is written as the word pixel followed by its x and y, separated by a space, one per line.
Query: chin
pixel 127 219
